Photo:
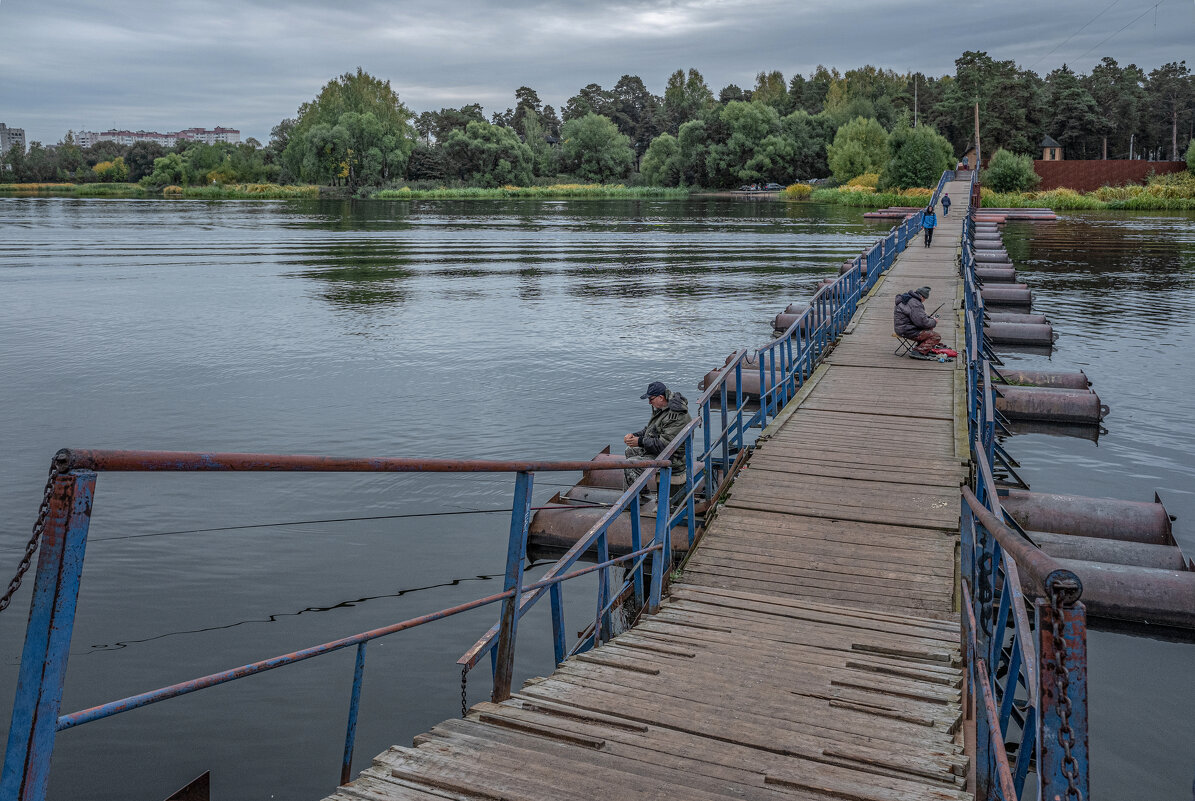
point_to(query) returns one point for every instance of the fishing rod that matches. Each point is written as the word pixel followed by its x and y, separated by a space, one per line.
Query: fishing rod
pixel 935 311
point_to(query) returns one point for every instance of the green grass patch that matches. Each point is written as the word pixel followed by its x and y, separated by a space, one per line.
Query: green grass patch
pixel 855 198
pixel 248 192
pixel 74 190
pixel 604 191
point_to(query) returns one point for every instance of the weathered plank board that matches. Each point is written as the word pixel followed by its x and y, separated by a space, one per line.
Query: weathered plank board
pixel 809 649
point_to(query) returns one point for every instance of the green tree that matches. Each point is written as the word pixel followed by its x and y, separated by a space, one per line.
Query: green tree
pixel 593 99
pixel 526 102
pixel 1075 115
pixel 636 112
pixel 545 160
pixel 1008 172
pixel 743 156
pixel 141 158
pixel 810 136
pixel 12 164
pixel 770 89
pixel 1191 156
pixel 1011 103
pixel 112 172
pixel 487 155
pixel 426 163
pixel 314 141
pixel 595 150
pixel 170 170
pixel 685 97
pixel 661 165
pixel 733 92
pixel 916 157
pixel 859 146
pixel 1171 93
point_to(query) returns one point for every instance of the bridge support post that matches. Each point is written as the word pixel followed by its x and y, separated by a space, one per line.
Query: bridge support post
pixel 1062 720
pixel 48 638
pixel 516 556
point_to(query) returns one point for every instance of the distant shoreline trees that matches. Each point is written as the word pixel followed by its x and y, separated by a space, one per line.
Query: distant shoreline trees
pixel 357 133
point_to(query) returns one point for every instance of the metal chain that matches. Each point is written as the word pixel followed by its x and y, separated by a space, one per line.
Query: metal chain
pixel 1066 735
pixel 464 691
pixel 31 547
pixel 985 592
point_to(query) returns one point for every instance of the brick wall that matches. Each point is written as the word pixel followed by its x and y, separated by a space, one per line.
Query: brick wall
pixel 1089 174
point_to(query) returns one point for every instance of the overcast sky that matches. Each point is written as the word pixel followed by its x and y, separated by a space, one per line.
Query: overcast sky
pixel 246 64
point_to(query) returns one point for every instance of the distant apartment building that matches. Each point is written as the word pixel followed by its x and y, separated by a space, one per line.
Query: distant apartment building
pixel 209 136
pixel 10 137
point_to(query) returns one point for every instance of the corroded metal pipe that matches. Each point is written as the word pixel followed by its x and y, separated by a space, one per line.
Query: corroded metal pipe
pixel 557 530
pixel 1015 317
pixel 992 257
pixel 1105 518
pixel 1019 333
pixel 996 275
pixel 1046 378
pixel 1050 404
pixel 1004 296
pixel 796 308
pixel 1138 594
pixel 1117 552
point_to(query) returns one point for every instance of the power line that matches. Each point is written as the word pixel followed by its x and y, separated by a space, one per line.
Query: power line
pixel 1073 35
pixel 1134 19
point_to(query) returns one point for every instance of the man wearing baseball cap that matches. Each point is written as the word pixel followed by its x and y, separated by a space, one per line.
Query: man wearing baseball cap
pixel 669 414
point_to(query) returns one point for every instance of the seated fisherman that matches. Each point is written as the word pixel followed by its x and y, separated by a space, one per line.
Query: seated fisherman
pixel 669 414
pixel 911 322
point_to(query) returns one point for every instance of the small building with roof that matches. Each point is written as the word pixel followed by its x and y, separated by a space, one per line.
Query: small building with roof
pixel 1050 150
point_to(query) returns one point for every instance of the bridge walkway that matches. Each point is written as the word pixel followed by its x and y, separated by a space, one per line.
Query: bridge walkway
pixel 809 650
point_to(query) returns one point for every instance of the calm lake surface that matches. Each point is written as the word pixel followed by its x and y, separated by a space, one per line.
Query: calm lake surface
pixel 460 329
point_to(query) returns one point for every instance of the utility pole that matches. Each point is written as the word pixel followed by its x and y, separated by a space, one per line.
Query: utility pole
pixel 977 134
pixel 914 100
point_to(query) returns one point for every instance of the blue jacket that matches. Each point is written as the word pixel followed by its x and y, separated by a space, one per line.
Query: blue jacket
pixel 930 220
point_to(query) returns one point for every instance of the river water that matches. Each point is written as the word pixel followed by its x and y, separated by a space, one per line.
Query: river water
pixel 474 329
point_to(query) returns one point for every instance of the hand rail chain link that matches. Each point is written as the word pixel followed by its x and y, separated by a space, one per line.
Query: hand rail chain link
pixel 39 527
pixel 1066 734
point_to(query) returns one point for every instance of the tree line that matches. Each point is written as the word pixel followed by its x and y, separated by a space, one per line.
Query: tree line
pixel 358 134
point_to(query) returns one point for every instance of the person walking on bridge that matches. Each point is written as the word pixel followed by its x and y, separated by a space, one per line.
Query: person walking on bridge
pixel 911 322
pixel 945 204
pixel 669 414
pixel 930 222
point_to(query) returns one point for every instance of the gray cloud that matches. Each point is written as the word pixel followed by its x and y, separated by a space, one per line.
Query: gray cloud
pixel 162 65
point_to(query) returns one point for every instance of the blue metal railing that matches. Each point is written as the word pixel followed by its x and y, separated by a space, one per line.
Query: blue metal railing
pixel 1026 673
pixel 712 442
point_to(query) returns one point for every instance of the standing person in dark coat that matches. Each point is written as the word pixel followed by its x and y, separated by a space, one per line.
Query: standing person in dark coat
pixel 911 322
pixel 930 222
pixel 945 204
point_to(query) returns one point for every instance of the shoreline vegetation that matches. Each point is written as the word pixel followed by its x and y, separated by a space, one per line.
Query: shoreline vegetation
pixel 1173 192
pixel 1162 193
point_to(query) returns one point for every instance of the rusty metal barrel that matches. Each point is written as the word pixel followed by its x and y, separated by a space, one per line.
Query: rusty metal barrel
pixel 1046 378
pixel 988 239
pixel 1019 333
pixel 1136 594
pixel 992 257
pixel 796 308
pixel 1016 317
pixel 1006 296
pixel 1095 549
pixel 750 381
pixel 1050 404
pixel 996 275
pixel 554 531
pixel 1104 518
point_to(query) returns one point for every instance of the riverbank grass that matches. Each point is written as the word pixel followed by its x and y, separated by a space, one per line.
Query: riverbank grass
pixel 211 192
pixel 602 191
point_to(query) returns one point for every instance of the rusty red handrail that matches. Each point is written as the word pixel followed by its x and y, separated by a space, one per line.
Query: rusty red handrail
pixel 100 460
